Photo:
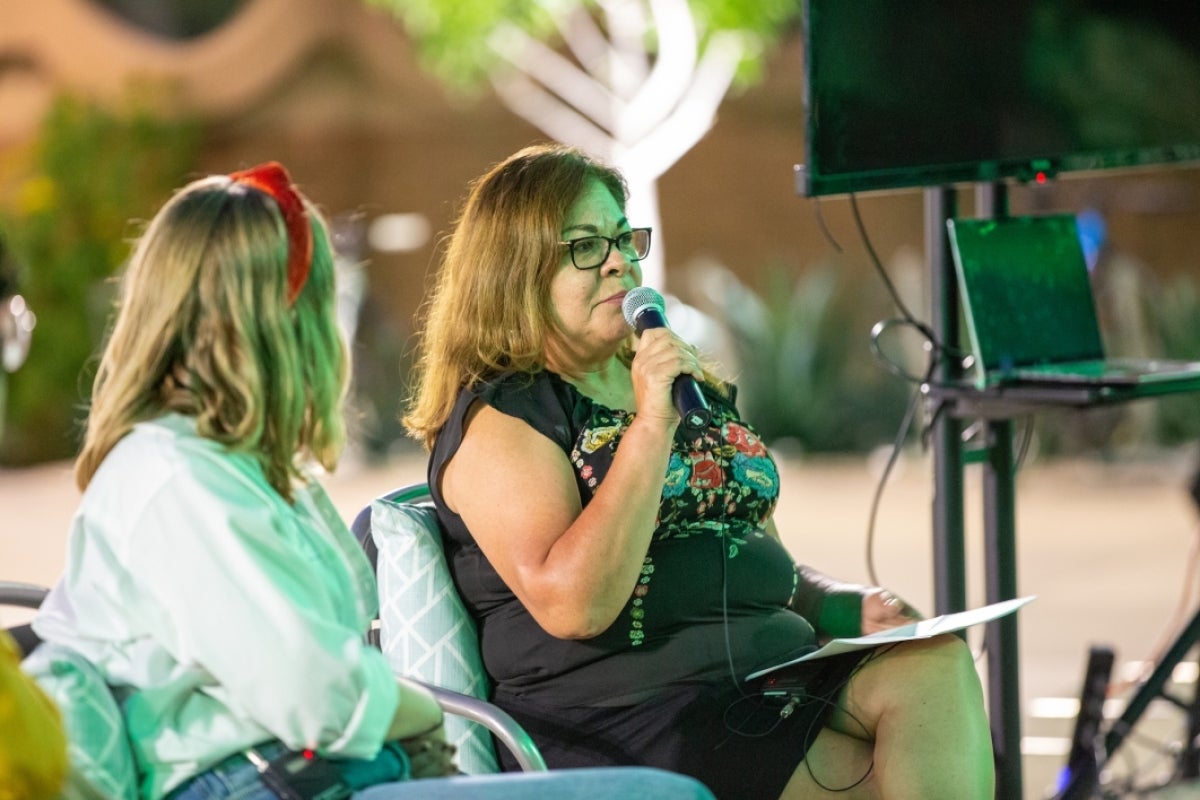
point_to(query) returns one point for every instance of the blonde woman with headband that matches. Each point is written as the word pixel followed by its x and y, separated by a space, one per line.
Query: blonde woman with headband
pixel 209 579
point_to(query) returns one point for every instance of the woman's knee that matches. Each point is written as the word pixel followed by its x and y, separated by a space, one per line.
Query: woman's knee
pixel 944 656
pixel 940 667
pixel 953 662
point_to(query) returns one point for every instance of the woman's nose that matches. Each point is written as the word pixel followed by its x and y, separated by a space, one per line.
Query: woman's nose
pixel 616 263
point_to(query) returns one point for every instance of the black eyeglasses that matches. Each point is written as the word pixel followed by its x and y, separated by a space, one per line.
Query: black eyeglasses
pixel 589 252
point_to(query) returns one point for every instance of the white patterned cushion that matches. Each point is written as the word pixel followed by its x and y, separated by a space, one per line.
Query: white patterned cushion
pixel 97 744
pixel 425 631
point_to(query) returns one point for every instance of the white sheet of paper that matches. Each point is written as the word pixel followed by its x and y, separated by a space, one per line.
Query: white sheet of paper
pixel 946 623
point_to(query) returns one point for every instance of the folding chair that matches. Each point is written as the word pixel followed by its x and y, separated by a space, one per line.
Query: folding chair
pixel 102 763
pixel 23 595
pixel 426 632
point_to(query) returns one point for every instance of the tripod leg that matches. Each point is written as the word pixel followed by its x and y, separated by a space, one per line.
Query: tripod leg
pixel 1189 760
pixel 1152 687
pixel 1081 776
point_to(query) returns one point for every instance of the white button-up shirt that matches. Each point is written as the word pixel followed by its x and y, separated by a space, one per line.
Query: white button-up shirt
pixel 221 615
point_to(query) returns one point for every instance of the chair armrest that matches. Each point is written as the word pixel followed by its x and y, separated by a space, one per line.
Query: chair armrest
pixel 24 595
pixel 496 720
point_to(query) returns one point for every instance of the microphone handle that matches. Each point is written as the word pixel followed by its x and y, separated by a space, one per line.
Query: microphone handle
pixel 689 400
pixel 690 403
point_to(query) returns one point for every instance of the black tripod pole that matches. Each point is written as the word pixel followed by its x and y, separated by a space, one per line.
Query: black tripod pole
pixel 1152 688
pixel 1081 776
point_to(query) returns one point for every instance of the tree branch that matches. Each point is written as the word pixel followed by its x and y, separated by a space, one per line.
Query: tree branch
pixel 627 29
pixel 694 115
pixel 673 70
pixel 551 115
pixel 557 74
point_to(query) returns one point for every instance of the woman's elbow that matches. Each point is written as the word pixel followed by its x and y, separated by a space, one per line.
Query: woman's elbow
pixel 574 620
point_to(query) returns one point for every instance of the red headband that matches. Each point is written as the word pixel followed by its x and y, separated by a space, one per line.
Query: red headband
pixel 273 179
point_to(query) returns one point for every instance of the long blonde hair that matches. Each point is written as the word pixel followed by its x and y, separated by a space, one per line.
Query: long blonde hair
pixel 490 311
pixel 204 329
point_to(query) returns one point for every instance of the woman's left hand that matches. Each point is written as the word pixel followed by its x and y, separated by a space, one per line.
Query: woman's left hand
pixel 882 610
pixel 430 755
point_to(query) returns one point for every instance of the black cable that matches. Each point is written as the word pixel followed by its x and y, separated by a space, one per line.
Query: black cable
pixel 897 444
pixel 746 696
pixel 808 761
pixel 825 228
pixel 737 683
pixel 870 656
pixel 877 331
pixel 887 281
pixel 938 349
pixel 1023 447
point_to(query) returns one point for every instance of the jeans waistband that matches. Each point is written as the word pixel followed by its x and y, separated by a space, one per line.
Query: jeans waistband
pixel 391 764
pixel 269 750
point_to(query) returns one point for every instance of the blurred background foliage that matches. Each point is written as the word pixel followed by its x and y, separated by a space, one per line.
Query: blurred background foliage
pixel 1174 304
pixel 801 361
pixel 796 342
pixel 89 175
pixel 454 36
pixel 795 330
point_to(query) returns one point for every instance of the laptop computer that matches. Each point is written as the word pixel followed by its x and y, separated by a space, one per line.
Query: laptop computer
pixel 1029 311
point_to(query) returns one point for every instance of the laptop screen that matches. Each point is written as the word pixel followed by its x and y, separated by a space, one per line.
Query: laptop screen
pixel 1026 293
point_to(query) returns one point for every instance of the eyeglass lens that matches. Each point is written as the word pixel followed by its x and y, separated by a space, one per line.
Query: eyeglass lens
pixel 592 251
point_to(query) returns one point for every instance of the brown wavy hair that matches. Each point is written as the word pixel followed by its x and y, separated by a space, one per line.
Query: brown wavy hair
pixel 203 329
pixel 490 311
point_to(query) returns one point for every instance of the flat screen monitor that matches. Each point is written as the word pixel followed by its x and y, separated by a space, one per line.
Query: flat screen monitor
pixel 910 93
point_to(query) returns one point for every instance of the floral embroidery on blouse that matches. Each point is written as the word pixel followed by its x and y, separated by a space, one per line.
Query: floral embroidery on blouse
pixel 720 482
pixel 637 634
pixel 719 477
pixel 595 438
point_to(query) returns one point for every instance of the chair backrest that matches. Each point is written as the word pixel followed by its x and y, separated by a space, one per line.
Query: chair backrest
pixel 102 763
pixel 424 629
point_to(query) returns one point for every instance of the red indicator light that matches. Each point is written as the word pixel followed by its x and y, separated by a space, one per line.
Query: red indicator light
pixel 1040 177
pixel 308 754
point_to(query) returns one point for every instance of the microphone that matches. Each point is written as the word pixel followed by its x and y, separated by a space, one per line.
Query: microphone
pixel 643 308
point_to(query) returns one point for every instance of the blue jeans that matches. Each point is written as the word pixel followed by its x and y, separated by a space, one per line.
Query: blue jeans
pixel 598 783
pixel 237 779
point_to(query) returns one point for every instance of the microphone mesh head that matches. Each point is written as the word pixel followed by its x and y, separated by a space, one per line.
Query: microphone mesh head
pixel 638 300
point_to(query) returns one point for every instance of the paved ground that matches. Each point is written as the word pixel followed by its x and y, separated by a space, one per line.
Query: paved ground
pixel 1104 547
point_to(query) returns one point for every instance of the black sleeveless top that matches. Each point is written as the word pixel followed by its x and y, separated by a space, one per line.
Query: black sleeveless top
pixel 712 599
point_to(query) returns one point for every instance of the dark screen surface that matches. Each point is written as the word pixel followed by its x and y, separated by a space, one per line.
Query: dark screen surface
pixel 1026 291
pixel 907 93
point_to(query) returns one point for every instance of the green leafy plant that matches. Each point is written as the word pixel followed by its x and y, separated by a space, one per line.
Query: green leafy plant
pixel 91 174
pixel 804 371
pixel 1176 316
pixel 1142 315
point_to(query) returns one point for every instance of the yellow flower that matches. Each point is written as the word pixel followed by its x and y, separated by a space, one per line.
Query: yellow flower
pixel 596 438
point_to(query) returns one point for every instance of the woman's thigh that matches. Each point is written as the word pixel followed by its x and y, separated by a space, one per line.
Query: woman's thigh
pixel 926 688
pixel 837 765
pixel 932 677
